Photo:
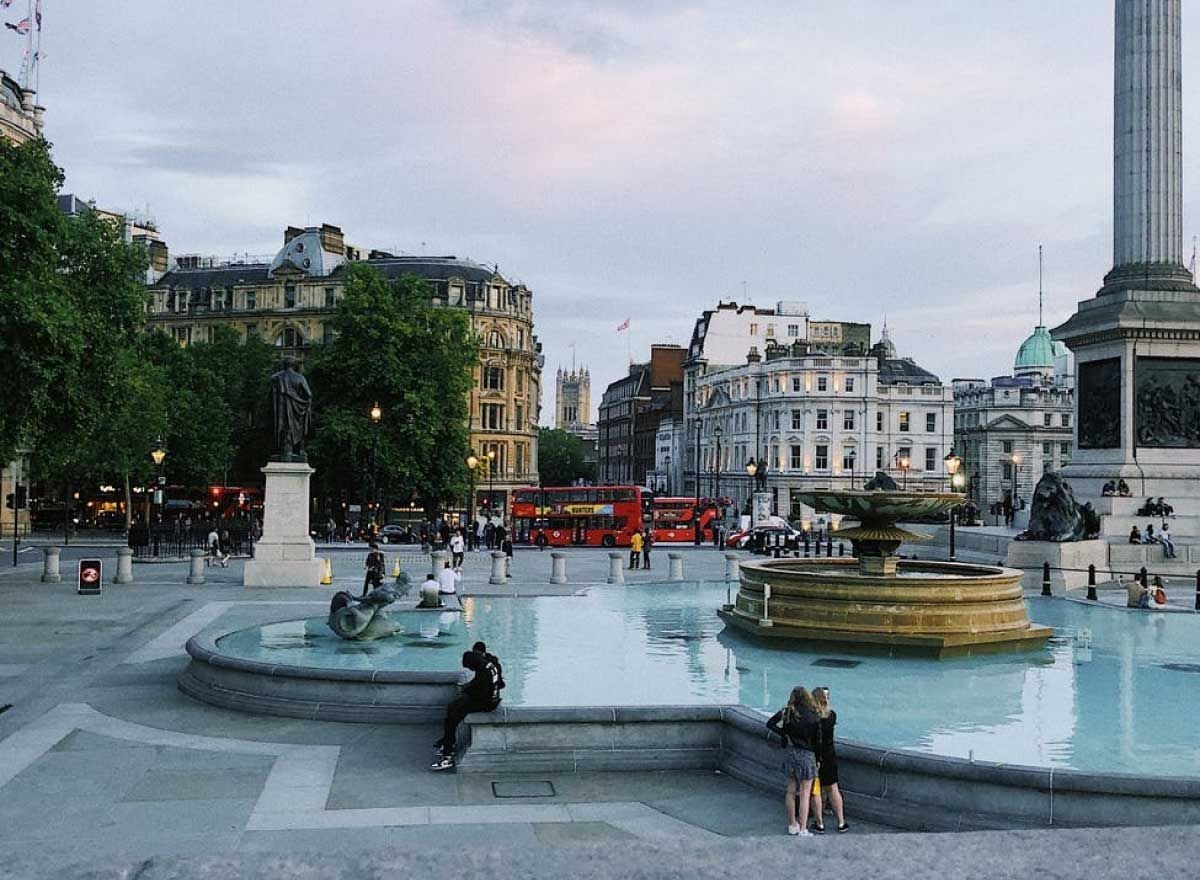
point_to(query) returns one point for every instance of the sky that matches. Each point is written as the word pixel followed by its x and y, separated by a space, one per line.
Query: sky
pixel 625 159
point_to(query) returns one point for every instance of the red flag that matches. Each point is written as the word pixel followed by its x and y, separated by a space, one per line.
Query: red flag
pixel 21 27
pixel 624 325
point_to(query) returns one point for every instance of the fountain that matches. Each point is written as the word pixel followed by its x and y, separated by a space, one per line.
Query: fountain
pixel 876 600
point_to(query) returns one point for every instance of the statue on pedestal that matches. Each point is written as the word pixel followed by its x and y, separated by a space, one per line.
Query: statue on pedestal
pixel 291 408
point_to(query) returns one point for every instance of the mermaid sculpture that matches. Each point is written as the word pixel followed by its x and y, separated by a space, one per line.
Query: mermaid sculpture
pixel 363 619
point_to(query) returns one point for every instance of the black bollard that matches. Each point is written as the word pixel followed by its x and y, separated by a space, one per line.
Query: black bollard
pixel 829 548
pixel 841 548
pixel 806 545
pixel 1091 593
pixel 1144 577
pixel 1198 589
pixel 1046 579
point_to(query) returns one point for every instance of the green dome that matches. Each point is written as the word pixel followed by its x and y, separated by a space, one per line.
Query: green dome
pixel 1036 352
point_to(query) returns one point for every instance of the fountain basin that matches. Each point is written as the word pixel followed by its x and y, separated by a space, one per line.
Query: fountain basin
pixel 941 608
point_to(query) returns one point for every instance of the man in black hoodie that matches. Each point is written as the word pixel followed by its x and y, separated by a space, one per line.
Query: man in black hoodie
pixel 480 694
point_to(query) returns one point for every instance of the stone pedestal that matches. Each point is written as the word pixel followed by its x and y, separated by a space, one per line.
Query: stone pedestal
pixel 196 567
pixel 760 509
pixel 499 573
pixel 285 556
pixel 676 567
pixel 124 566
pixel 731 566
pixel 616 571
pixel 50 570
pixel 558 567
pixel 1074 556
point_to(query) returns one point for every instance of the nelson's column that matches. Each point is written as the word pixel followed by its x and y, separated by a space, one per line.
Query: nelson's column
pixel 1137 342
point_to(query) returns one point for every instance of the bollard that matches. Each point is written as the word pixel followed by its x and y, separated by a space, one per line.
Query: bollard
pixel 507 567
pixel 196 575
pixel 1046 579
pixel 1198 589
pixel 440 558
pixel 829 548
pixel 50 572
pixel 616 574
pixel 676 560
pixel 1144 577
pixel 558 567
pixel 1091 593
pixel 124 566
pixel 841 548
pixel 765 620
pixel 806 546
pixel 731 567
pixel 499 567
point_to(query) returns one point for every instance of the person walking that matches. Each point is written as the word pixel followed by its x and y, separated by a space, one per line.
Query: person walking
pixel 799 725
pixel 647 543
pixel 374 564
pixel 827 768
pixel 213 543
pixel 635 550
pixel 458 547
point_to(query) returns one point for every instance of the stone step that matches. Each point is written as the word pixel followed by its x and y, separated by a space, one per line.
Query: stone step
pixel 1118 526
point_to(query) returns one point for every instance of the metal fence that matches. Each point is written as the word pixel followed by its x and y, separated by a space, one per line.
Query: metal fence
pixel 175 540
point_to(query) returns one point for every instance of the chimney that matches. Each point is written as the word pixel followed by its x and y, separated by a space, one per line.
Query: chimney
pixel 291 232
pixel 332 239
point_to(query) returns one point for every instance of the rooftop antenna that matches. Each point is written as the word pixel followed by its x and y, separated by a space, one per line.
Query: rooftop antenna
pixel 1041 323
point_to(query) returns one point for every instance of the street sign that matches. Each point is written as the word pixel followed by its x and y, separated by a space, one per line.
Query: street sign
pixel 91 577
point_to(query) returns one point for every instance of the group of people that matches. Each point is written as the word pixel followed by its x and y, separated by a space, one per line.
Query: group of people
pixel 1117 488
pixel 219 548
pixel 1163 537
pixel 1139 595
pixel 639 549
pixel 1159 507
pixel 806 727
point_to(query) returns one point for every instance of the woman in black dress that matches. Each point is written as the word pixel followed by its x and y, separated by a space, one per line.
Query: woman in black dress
pixel 827 763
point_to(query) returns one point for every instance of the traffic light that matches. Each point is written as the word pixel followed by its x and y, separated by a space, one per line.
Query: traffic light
pixel 22 497
pixel 10 501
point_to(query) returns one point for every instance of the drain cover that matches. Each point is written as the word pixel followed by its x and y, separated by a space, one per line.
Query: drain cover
pixel 543 788
pixel 1182 667
pixel 836 663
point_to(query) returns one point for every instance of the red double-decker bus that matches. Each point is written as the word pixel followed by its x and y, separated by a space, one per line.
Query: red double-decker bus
pixel 674 519
pixel 581 516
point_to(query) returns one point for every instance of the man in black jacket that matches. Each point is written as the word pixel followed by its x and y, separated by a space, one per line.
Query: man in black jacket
pixel 480 694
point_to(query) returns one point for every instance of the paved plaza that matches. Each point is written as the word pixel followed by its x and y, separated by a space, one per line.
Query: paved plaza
pixel 106 767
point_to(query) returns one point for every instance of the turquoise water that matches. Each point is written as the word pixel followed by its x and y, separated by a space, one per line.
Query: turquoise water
pixel 1127 704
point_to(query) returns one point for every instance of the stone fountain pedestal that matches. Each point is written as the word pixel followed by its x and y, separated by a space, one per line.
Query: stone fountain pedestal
pixel 285 555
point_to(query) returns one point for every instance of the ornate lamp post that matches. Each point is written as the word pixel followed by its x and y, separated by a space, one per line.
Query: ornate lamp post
pixel 667 468
pixel 696 510
pixel 376 415
pixel 717 470
pixel 472 464
pixel 1015 458
pixel 905 463
pixel 158 454
pixel 491 458
pixel 952 463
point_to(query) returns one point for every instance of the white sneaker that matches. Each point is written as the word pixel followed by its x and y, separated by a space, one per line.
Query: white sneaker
pixel 804 832
pixel 794 829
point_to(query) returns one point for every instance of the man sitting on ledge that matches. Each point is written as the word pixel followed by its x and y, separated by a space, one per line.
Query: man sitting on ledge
pixel 480 694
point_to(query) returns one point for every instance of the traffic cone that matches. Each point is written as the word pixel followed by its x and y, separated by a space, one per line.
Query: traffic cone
pixel 396 567
pixel 327 577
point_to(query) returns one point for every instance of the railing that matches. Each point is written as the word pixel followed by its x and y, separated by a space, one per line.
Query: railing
pixel 175 540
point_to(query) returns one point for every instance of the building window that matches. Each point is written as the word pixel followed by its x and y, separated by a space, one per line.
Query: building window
pixel 822 420
pixel 848 420
pixel 1066 420
pixel 520 381
pixel 793 331
pixel 520 425
pixel 849 383
pixel 770 331
pixel 251 299
pixel 821 458
pixel 1046 420
pixel 1007 470
pixel 931 458
pixel 879 422
pixel 520 456
pixel 878 457
pixel 182 335
pixel 252 331
pixel 904 421
pixel 1006 447
pixel 848 459
pixel 493 378
pixel 797 420
pixel 327 333
pixel 492 416
pixel 520 339
pixel 1047 448
pixel 796 386
pixel 289 296
pixel 329 298
pixel 753 329
pixel 495 339
pixel 904 457
pixel 797 462
pixel 822 383
pixel 930 423
pixel 290 337
pixel 1064 448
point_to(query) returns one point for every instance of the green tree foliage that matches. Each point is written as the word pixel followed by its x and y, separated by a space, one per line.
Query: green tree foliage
pixel 561 458
pixel 416 361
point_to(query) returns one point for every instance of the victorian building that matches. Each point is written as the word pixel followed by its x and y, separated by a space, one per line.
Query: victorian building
pixel 631 411
pixel 291 299
pixel 809 415
pixel 1011 430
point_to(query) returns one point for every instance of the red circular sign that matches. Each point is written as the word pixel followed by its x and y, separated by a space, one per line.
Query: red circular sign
pixel 89 575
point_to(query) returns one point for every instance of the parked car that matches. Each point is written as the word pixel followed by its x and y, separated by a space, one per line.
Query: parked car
pixel 396 534
pixel 766 537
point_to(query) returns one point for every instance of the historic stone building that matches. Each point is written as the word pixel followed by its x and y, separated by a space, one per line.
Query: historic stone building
pixel 290 301
pixel 811 419
pixel 572 399
pixel 1011 430
pixel 631 412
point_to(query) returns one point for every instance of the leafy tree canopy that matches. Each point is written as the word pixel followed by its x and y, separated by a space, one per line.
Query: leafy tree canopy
pixel 561 458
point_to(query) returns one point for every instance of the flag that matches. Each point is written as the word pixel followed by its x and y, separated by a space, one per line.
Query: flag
pixel 21 27
pixel 38 14
pixel 624 325
pixel 4 4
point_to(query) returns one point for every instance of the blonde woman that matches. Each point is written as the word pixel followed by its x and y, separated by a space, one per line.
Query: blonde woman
pixel 827 763
pixel 799 724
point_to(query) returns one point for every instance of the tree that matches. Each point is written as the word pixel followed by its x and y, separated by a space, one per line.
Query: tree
pixel 561 458
pixel 416 361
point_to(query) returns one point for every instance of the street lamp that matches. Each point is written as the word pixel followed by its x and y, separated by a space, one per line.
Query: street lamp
pixel 717 469
pixel 376 415
pixel 1015 458
pixel 667 468
pixel 472 464
pixel 696 509
pixel 952 463
pixel 158 454
pixel 491 457
pixel 905 462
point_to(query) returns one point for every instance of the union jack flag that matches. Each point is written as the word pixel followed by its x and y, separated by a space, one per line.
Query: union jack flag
pixel 21 27
pixel 624 325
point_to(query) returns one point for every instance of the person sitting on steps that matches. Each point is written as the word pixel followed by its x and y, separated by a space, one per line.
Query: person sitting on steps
pixel 480 694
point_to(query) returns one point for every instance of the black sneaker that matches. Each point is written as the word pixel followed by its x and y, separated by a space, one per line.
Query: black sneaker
pixel 845 826
pixel 818 829
pixel 445 763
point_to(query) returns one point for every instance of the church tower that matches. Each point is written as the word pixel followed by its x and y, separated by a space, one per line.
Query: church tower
pixel 572 399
